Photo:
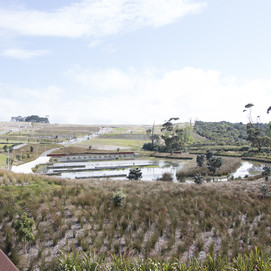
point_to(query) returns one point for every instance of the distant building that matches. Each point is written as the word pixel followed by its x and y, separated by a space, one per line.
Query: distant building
pixel 32 118
pixel 76 157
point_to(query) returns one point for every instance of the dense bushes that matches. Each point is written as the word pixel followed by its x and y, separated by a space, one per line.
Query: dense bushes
pixel 154 147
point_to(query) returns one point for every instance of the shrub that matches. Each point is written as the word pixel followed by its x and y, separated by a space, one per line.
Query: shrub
pixel 209 154
pixel 166 177
pixel 135 174
pixel 200 160
pixel 266 172
pixel 118 198
pixel 265 191
pixel 24 229
pixel 198 179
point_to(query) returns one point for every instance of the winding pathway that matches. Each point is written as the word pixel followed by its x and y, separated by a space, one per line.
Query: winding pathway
pixel 43 159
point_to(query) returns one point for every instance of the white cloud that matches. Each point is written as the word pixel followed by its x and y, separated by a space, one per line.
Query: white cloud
pixel 97 18
pixel 23 54
pixel 141 97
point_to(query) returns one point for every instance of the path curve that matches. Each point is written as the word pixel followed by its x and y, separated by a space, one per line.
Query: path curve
pixel 27 167
pixel 44 158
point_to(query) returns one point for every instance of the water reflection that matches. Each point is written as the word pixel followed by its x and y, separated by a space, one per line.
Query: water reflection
pixel 151 169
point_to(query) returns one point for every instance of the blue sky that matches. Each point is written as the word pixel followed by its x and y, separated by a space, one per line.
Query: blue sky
pixel 135 61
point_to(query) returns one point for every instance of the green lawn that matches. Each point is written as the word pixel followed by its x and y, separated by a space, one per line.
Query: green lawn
pixel 132 144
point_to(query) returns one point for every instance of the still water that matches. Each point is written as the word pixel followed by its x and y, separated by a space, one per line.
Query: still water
pixel 151 170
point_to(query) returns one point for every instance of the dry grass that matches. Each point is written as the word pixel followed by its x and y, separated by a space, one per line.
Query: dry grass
pixel 158 219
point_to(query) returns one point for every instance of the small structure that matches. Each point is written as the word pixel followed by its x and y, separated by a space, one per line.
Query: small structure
pixel 92 156
pixel 6 264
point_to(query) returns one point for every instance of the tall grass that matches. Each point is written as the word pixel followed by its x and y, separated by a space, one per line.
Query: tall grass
pixel 167 220
pixel 255 260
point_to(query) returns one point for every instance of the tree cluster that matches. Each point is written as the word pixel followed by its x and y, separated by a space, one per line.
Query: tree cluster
pixel 172 136
pixel 213 163
pixel 222 133
pixel 255 131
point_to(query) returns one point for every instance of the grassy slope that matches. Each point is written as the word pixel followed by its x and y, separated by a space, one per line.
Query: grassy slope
pixel 131 137
pixel 158 219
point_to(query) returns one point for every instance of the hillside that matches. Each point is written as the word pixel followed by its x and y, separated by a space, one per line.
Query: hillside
pixel 222 132
pixel 158 220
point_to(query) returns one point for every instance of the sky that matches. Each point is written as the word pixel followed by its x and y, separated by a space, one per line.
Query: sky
pixel 135 61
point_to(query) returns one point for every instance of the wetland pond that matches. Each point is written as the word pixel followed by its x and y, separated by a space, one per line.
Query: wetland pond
pixel 151 169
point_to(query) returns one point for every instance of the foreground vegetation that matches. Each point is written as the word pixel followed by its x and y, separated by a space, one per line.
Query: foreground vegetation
pixel 255 260
pixel 165 222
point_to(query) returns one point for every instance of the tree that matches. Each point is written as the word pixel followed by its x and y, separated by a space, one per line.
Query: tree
pixel 209 154
pixel 134 174
pixel 24 229
pixel 213 164
pixel 152 136
pixel 5 148
pixel 9 161
pixel 200 160
pixel 268 130
pixel 198 179
pixel 254 132
pixel 249 107
pixel 172 136
pixel 255 137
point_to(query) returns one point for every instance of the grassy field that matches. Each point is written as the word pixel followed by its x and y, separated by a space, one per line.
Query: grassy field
pixel 134 145
pixel 158 220
pixel 130 137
